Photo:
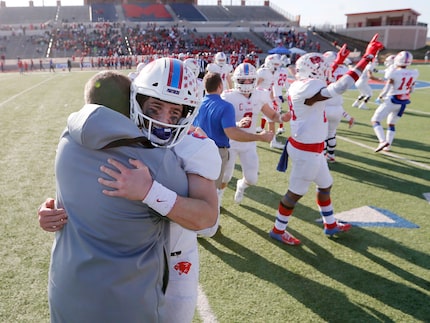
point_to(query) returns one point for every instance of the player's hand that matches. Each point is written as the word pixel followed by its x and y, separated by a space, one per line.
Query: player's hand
pixel 130 183
pixel 342 54
pixel 266 136
pixel 286 116
pixel 198 132
pixel 373 48
pixel 244 122
pixel 50 218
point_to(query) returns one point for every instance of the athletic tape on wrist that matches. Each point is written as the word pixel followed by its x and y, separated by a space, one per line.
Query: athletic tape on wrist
pixel 160 198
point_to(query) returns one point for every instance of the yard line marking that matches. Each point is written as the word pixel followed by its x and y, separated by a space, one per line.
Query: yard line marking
pixel 204 308
pixel 26 90
pixel 385 153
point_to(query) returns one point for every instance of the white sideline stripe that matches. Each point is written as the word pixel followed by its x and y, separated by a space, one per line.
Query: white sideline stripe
pixel 204 308
pixel 26 90
pixel 386 153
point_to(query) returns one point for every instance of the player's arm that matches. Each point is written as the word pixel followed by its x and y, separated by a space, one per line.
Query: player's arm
pixel 131 183
pixel 238 134
pixel 348 79
pixel 275 116
pixel 196 212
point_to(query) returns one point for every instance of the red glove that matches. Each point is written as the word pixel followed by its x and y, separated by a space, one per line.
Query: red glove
pixel 373 48
pixel 340 58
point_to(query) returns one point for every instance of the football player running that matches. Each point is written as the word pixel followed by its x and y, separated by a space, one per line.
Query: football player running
pixel 248 102
pixel 395 96
pixel 305 146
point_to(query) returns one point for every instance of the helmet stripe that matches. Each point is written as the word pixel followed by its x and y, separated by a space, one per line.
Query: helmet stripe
pixel 407 58
pixel 246 69
pixel 176 71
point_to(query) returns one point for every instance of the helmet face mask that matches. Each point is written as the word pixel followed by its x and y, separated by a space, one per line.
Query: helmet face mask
pixel 220 59
pixel 389 60
pixel 169 82
pixel 312 66
pixel 273 62
pixel 245 78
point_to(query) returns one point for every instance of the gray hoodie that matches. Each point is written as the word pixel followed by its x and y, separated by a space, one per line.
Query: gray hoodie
pixel 108 264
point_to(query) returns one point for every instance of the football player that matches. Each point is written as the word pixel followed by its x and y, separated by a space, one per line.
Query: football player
pixel 305 146
pixel 221 67
pixel 395 96
pixel 248 101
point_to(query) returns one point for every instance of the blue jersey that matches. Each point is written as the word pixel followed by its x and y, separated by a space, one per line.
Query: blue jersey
pixel 215 115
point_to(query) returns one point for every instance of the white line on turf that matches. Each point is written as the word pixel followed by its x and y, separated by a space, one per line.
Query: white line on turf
pixel 204 308
pixel 385 152
pixel 26 90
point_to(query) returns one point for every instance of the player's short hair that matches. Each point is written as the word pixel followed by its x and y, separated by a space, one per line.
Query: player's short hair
pixel 110 89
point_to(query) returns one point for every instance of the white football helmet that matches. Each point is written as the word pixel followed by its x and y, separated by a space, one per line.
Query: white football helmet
pixel 273 62
pixel 220 59
pixel 192 64
pixel 242 73
pixel 165 79
pixel 389 60
pixel 181 56
pixel 313 66
pixel 286 61
pixel 403 58
pixel 330 56
pixel 132 75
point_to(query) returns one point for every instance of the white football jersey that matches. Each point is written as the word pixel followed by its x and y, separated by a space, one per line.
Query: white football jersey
pixel 265 78
pixel 247 107
pixel 281 82
pixel 403 81
pixel 308 122
pixel 222 70
pixel 364 78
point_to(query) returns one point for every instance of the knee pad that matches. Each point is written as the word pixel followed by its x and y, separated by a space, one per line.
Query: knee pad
pixel 331 142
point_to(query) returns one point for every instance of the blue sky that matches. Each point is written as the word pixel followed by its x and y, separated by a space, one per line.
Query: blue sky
pixel 312 12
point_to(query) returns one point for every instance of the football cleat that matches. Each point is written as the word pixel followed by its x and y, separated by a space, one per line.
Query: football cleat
pixel 355 104
pixel 388 148
pixel 340 227
pixel 276 144
pixel 240 190
pixel 381 146
pixel 330 158
pixel 285 237
pixel 280 131
pixel 258 130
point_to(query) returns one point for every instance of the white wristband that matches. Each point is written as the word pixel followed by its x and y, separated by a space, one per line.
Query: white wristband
pixel 160 198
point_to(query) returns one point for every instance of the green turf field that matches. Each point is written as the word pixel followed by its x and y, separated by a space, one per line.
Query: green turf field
pixel 370 274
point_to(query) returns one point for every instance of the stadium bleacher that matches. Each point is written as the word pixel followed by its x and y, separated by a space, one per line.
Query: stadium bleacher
pixel 146 12
pixel 137 29
pixel 103 12
pixel 188 12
